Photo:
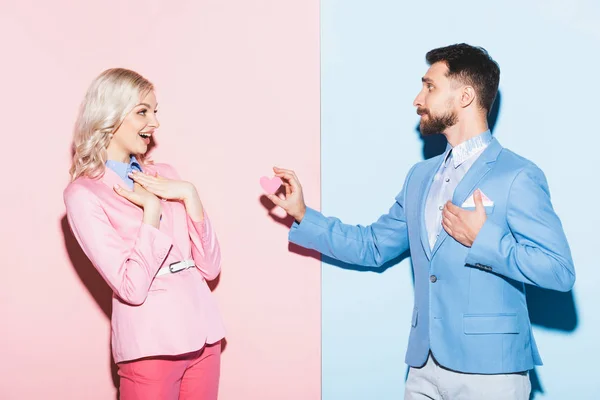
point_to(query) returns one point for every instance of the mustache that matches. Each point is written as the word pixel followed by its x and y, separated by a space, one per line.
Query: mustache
pixel 422 111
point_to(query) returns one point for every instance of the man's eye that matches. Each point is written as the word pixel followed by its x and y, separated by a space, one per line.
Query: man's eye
pixel 430 86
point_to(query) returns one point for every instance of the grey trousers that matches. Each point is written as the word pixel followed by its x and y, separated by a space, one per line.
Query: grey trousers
pixel 438 383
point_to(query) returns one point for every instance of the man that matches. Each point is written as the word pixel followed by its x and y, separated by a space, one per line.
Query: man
pixel 479 224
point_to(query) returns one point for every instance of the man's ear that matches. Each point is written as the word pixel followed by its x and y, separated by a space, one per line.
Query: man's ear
pixel 467 96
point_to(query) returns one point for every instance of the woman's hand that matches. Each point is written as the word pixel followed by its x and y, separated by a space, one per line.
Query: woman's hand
pixel 165 188
pixel 144 199
pixel 172 189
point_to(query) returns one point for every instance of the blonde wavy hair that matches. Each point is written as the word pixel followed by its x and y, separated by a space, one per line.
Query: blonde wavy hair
pixel 110 97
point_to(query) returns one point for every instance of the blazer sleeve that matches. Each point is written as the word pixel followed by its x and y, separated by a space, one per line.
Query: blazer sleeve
pixel 371 245
pixel 533 248
pixel 128 269
pixel 206 250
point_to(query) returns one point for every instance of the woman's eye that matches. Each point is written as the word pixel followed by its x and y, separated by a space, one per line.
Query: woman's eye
pixel 142 112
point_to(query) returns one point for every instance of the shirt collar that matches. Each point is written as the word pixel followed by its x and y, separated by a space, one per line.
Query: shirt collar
pixel 468 148
pixel 122 169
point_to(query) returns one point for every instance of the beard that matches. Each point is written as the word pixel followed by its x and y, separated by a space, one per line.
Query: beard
pixel 436 123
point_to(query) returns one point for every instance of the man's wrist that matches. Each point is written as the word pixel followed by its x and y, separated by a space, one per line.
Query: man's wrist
pixel 300 215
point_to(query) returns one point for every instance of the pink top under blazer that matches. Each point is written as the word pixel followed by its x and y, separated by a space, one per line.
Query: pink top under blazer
pixel 151 316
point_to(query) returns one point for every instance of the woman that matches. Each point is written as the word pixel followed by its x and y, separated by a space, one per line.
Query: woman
pixel 147 233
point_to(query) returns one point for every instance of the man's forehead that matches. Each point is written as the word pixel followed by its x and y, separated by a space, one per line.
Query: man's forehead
pixel 436 72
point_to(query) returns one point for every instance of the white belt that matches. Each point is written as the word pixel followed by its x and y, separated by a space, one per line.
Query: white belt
pixel 176 267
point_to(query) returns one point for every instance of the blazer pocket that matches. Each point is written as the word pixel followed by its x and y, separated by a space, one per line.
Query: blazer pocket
pixel 488 209
pixel 415 316
pixel 486 324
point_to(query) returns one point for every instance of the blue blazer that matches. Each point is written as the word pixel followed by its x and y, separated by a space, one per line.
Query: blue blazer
pixel 470 307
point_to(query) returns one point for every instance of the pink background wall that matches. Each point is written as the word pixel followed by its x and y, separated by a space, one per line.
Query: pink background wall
pixel 238 88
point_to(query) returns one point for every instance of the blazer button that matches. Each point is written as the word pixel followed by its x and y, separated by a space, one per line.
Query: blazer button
pixel 433 278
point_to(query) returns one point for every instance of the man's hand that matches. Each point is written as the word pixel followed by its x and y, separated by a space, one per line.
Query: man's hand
pixel 293 200
pixel 463 225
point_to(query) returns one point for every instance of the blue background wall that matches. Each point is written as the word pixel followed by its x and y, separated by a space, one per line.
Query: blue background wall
pixel 373 56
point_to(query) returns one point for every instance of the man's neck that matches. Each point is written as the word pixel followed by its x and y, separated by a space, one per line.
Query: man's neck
pixel 464 131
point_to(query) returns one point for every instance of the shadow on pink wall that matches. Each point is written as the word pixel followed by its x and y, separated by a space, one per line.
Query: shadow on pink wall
pixel 288 222
pixel 94 283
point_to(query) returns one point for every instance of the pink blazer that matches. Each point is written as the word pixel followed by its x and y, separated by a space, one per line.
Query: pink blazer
pixel 166 315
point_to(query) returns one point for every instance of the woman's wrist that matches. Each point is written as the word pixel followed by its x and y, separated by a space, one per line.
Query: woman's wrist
pixel 193 205
pixel 152 212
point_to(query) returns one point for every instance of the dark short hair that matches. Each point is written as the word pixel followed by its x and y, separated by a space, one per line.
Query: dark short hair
pixel 472 66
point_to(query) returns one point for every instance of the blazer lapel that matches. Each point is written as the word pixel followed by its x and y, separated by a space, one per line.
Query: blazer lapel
pixel 468 184
pixel 111 178
pixel 427 181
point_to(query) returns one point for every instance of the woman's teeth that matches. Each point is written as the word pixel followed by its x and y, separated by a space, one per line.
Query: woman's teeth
pixel 145 135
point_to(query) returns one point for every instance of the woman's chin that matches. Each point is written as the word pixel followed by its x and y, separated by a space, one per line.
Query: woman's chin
pixel 142 149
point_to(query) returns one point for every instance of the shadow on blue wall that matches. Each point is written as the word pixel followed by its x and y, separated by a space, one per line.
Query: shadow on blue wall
pixel 547 308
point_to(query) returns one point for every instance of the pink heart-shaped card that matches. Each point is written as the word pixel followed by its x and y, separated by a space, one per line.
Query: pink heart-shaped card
pixel 270 185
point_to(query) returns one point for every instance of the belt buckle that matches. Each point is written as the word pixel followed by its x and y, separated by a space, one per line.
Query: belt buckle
pixel 181 267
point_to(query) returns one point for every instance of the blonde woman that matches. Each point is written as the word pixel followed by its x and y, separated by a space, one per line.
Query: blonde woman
pixel 147 233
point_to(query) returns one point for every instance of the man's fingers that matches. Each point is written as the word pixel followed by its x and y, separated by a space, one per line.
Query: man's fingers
pixel 446 221
pixel 447 229
pixel 279 170
pixel 478 200
pixel 276 200
pixel 449 216
pixel 286 171
pixel 284 174
pixel 291 178
pixel 455 210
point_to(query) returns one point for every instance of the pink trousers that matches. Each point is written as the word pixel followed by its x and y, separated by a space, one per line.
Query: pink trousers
pixel 184 377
